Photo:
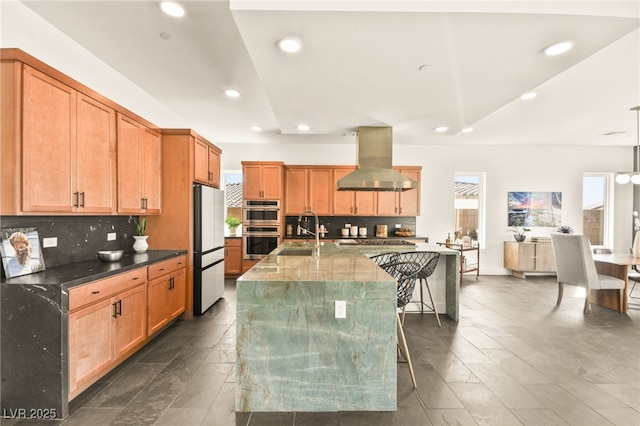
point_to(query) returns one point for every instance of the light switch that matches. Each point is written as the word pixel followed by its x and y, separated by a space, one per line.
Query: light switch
pixel 111 236
pixel 341 309
pixel 50 242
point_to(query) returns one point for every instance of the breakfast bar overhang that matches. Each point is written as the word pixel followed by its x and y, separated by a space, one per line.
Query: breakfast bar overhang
pixel 293 354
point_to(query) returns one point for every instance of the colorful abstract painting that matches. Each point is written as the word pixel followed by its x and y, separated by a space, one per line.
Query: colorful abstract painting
pixel 541 209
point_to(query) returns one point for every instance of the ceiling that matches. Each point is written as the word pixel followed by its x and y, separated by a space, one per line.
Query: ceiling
pixel 359 66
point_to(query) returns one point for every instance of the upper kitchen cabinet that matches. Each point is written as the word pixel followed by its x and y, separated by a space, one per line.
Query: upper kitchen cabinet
pixel 207 163
pixel 352 203
pixel 262 180
pixel 139 162
pixel 58 146
pixel 406 203
pixel 308 188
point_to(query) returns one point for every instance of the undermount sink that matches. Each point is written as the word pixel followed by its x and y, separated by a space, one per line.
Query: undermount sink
pixel 295 252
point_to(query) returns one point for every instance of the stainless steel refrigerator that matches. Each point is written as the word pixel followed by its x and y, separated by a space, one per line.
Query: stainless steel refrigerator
pixel 208 247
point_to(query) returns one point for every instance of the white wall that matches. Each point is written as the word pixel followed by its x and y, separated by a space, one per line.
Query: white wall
pixel 508 168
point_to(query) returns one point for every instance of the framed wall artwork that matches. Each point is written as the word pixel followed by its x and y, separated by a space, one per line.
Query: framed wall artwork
pixel 21 253
pixel 529 209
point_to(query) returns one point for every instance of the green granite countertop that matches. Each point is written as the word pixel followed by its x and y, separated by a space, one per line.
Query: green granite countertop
pixel 335 263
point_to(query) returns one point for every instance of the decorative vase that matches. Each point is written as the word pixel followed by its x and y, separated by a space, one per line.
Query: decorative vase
pixel 233 231
pixel 520 238
pixel 635 250
pixel 141 245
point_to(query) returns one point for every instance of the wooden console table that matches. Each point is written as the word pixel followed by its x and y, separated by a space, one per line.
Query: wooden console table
pixel 528 257
pixel 465 266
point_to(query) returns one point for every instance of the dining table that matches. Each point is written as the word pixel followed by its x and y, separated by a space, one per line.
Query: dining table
pixel 617 265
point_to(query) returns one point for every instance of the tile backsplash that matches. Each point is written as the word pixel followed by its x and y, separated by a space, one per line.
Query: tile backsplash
pixel 79 237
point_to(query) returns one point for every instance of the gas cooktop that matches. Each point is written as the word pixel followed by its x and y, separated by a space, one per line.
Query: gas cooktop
pixel 374 242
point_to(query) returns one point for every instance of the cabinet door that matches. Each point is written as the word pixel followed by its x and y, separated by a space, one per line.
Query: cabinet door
pixel 129 198
pixel 409 201
pixel 232 259
pixel 545 260
pixel 157 305
pixel 151 163
pixel 214 167
pixel 96 157
pixel 201 162
pixel 90 343
pixel 130 323
pixel 387 203
pixel 296 195
pixel 343 201
pixel 252 182
pixel 366 203
pixel 320 190
pixel 177 297
pixel 48 144
pixel 272 182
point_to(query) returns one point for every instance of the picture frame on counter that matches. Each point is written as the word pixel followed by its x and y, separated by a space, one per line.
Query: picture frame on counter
pixel 21 252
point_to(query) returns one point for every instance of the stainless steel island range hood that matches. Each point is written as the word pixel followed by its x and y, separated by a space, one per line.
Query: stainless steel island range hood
pixel 374 172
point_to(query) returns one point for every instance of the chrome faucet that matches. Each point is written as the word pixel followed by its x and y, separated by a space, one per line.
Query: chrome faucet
pixel 317 228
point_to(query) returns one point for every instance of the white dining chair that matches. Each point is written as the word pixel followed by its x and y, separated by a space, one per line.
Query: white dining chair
pixel 575 266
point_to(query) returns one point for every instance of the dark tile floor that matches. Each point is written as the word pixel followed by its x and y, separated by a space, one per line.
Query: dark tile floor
pixel 514 358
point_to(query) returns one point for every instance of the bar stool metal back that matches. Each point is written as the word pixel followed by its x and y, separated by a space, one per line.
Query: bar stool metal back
pixel 384 259
pixel 428 261
pixel 405 274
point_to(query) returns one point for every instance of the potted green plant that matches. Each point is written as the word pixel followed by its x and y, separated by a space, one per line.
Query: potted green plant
pixel 232 223
pixel 519 233
pixel 141 245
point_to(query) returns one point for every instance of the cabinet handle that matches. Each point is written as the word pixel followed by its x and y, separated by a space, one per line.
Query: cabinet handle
pixel 161 269
pixel 95 292
pixel 141 203
pixel 75 194
pixel 82 193
pixel 115 310
pixel 119 307
pixel 145 203
pixel 171 283
pixel 135 278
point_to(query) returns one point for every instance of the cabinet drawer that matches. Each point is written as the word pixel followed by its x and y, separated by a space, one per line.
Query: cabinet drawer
pixel 161 268
pixel 98 290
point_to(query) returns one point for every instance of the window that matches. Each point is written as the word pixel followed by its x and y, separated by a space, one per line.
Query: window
pixel 233 194
pixel 469 207
pixel 596 208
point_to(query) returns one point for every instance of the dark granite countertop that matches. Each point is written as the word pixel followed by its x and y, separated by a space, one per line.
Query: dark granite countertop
pixel 369 237
pixel 86 271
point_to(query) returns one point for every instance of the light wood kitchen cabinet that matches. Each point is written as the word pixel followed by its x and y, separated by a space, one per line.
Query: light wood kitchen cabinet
pixel 352 203
pixel 139 167
pixel 406 203
pixel 166 293
pixel 262 180
pixel 107 323
pixel 528 257
pixel 68 149
pixel 232 257
pixel 206 163
pixel 308 188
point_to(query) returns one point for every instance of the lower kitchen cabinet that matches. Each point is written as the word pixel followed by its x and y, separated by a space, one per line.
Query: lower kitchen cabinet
pixel 167 293
pixel 107 321
pixel 232 257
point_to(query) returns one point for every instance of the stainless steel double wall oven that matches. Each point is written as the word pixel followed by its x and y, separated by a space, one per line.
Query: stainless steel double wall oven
pixel 261 220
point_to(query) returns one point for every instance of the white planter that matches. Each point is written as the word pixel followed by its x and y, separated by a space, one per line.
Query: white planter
pixel 141 245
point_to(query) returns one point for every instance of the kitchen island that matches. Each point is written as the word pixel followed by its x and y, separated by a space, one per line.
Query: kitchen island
pixel 293 354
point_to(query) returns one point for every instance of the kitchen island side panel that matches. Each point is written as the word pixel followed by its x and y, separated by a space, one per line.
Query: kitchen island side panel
pixel 34 335
pixel 294 355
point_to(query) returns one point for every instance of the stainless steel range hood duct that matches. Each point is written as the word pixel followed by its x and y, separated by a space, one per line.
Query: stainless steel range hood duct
pixel 374 172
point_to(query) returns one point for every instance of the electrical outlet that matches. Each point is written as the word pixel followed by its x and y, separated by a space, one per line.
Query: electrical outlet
pixel 341 309
pixel 398 226
pixel 111 236
pixel 50 242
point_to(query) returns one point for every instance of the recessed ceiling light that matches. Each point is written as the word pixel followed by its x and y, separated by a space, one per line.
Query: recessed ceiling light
pixel 467 130
pixel 441 129
pixel 290 45
pixel 558 48
pixel 232 93
pixel 172 8
pixel 303 127
pixel 256 128
pixel 165 36
pixel 528 96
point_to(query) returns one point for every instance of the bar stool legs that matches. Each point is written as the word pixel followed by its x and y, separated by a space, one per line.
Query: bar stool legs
pixel 433 303
pixel 402 345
